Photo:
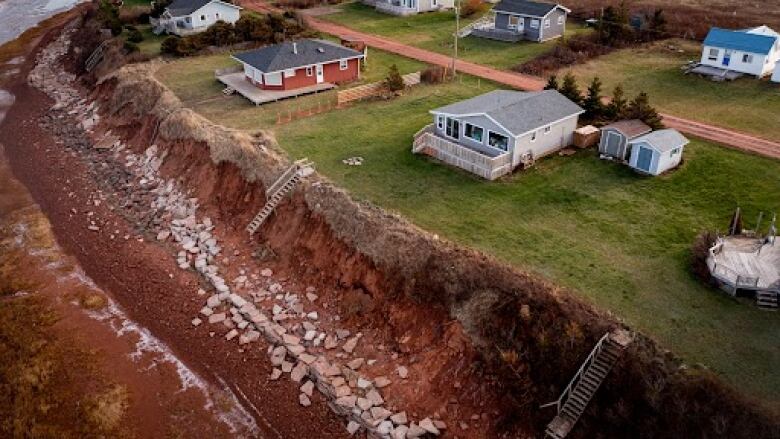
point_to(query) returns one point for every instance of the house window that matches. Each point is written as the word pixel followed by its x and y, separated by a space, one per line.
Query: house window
pixel 289 73
pixel 675 151
pixel 343 64
pixel 561 20
pixel 216 15
pixel 273 79
pixel 188 19
pixel 514 22
pixel 747 58
pixel 453 128
pixel 546 130
pixel 310 71
pixel 547 23
pixel 440 122
pixel 533 136
pixel 202 18
pixel 535 24
pixel 498 141
pixel 714 54
pixel 473 132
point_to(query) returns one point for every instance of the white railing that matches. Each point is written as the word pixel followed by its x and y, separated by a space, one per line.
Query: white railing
pixel 576 379
pixel 227 71
pixel 394 9
pixel 463 157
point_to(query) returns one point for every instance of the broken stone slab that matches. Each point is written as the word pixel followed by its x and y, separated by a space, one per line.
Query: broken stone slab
pixel 249 337
pixel 385 427
pixel 427 425
pixel 307 358
pixel 415 431
pixel 287 367
pixel 231 335
pixel 400 432
pixel 381 382
pixel 216 318
pixel 352 427
pixel 310 335
pixel 343 391
pixel 399 418
pixel 307 388
pixel 275 374
pixel 196 322
pixel 347 401
pixel 206 311
pixel 375 397
pixel 290 339
pixel 440 424
pixel 403 372
pixel 342 333
pixel 162 236
pixel 350 345
pixel 330 343
pixel 213 301
pixel 356 363
pixel 304 400
pixel 299 372
pixel 380 413
pixel 296 350
pixel 363 383
pixel 364 404
pixel 237 300
pixel 311 297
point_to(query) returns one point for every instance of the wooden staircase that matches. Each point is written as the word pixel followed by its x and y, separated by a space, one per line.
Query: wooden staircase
pixel 96 56
pixel 283 185
pixel 575 398
pixel 767 300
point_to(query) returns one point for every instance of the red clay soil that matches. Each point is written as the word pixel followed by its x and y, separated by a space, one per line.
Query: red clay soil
pixel 143 277
pixel 734 139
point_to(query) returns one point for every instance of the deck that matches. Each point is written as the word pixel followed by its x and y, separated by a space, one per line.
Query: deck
pixel 259 96
pixel 493 33
pixel 487 164
pixel 745 263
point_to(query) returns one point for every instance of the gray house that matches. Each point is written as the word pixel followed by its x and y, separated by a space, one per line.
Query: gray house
pixel 494 133
pixel 615 137
pixel 516 20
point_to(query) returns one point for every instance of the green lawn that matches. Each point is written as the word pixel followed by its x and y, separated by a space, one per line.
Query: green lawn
pixel 192 80
pixel 619 240
pixel 433 31
pixel 151 42
pixel 746 104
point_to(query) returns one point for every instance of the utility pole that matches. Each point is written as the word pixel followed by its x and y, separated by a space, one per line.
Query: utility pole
pixel 457 31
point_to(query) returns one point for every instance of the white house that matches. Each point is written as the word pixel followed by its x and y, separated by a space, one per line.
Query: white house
pixel 776 74
pixel 185 17
pixel 410 7
pixel 751 51
pixel 657 152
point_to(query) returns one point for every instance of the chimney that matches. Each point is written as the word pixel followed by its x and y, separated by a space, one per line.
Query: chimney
pixel 295 47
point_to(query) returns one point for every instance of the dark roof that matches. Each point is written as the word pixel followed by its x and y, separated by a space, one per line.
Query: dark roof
pixel 663 140
pixel 525 7
pixel 186 7
pixel 517 111
pixel 629 128
pixel 290 55
pixel 740 40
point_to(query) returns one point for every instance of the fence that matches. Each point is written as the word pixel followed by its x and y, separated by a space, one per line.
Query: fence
pixel 369 90
pixel 310 106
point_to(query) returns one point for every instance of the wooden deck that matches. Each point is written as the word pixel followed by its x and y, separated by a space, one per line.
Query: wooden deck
pixel 746 263
pixel 486 166
pixel 259 96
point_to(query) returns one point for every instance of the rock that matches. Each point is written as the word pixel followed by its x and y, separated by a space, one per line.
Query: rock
pixel 307 358
pixel 307 388
pixel 352 427
pixel 287 367
pixel 162 236
pixel 347 401
pixel 304 400
pixel 237 300
pixel 463 425
pixel 290 339
pixel 427 425
pixel 206 311
pixel 385 427
pixel 311 296
pixel 363 383
pixel 356 363
pixel 249 337
pixel 375 397
pixel 350 345
pixel 439 424
pixel 266 272
pixel 299 372
pixel 400 432
pixel 196 321
pixel 343 391
pixel 330 343
pixel 364 404
pixel 381 382
pixel 342 334
pixel 415 431
pixel 313 315
pixel 403 372
pixel 399 418
pixel 216 318
pixel 309 336
pixel 275 374
pixel 213 301
pixel 380 413
pixel 276 310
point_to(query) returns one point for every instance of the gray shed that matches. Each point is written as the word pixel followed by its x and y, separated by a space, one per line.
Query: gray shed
pixel 615 137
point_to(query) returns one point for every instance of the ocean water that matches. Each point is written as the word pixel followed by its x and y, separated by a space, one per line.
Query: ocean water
pixel 16 16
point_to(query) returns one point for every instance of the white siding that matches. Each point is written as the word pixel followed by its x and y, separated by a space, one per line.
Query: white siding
pixel 760 65
pixel 660 163
pixel 561 135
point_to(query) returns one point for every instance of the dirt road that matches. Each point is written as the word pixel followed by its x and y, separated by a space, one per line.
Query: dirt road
pixel 723 136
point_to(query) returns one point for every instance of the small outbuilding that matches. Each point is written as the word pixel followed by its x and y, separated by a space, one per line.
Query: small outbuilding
pixel 615 137
pixel 657 152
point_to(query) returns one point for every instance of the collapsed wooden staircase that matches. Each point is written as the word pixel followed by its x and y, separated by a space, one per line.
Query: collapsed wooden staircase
pixel 572 402
pixel 283 185
pixel 767 300
pixel 96 56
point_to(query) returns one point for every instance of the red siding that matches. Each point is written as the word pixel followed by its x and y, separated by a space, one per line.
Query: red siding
pixel 331 73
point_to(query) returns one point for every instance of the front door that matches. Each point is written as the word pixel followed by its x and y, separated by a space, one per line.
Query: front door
pixel 727 58
pixel 320 74
pixel 613 145
pixel 644 159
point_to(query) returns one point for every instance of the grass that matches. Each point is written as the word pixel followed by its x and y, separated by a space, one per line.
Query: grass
pixel 619 240
pixel 433 31
pixel 151 42
pixel 192 79
pixel 747 104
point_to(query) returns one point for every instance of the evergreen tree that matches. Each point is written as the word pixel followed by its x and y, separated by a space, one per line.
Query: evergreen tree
pixel 570 89
pixel 658 23
pixel 614 28
pixel 552 83
pixel 640 108
pixel 617 106
pixel 394 81
pixel 594 107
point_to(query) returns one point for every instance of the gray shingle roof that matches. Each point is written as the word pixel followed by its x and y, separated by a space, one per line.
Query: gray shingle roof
pixel 186 7
pixel 282 56
pixel 519 112
pixel 525 7
pixel 630 128
pixel 663 140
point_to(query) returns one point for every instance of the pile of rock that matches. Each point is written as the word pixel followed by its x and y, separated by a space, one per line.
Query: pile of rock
pixel 353 161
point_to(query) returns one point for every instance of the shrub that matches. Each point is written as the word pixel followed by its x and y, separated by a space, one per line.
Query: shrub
pixel 130 47
pixel 700 250
pixel 640 108
pixel 433 75
pixel 394 82
pixel 471 7
pixel 170 45
pixel 108 15
pixel 134 35
pixel 570 89
pixel 253 28
pixel 218 34
pixel 552 83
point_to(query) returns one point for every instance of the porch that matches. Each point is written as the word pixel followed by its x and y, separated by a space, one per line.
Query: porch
pixel 396 7
pixel 746 263
pixel 487 164
pixel 493 33
pixel 235 79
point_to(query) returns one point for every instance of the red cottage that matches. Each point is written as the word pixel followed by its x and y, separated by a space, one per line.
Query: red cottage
pixel 304 63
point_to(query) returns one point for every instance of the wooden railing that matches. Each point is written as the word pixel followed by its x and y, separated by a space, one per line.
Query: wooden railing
pixel 576 379
pixel 373 89
pixel 451 153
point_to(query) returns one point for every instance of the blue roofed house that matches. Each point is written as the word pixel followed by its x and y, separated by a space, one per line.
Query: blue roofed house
pixel 492 134
pixel 753 51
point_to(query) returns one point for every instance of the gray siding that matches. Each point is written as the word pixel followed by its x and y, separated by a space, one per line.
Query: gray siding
pixel 555 30
pixel 531 33
pixel 612 135
pixel 479 121
pixel 528 33
pixel 561 135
